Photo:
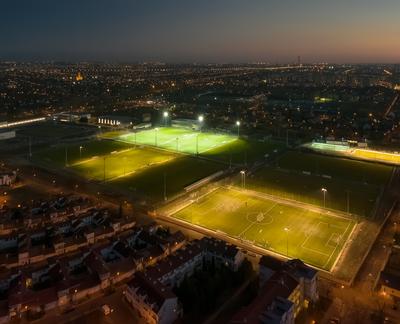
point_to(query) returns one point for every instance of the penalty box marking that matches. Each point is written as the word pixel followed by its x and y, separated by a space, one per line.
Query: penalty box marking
pixel 315 228
pixel 337 244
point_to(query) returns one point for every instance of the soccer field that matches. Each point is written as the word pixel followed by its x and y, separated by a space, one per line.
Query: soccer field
pixel 315 238
pixel 121 164
pixel 351 186
pixel 376 156
pixel 356 153
pixel 177 139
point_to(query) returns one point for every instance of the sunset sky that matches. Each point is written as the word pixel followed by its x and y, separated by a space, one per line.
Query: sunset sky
pixel 275 31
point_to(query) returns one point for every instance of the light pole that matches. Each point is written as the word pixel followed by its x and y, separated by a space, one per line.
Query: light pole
pixel 238 127
pixel 104 169
pixel 165 187
pixel 287 241
pixel 243 174
pixel 324 190
pixel 197 144
pixel 165 114
pixel 30 147
pixel 155 135
pixel 201 119
pixel 177 144
pixel 80 152
pixel 66 156
pixel 348 201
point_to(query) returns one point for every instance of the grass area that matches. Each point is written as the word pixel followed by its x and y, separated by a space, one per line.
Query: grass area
pixel 315 238
pixel 361 198
pixel 347 169
pixel 140 170
pixel 220 147
pixel 243 151
pixel 179 173
pixel 51 130
pixel 351 185
pixel 56 155
pixel 121 163
pixel 357 153
pixel 177 139
pixel 377 156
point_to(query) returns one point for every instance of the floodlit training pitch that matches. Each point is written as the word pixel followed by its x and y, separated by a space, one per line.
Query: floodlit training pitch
pixel 316 238
pixel 356 153
pixel 177 139
pixel 121 163
pixel 376 156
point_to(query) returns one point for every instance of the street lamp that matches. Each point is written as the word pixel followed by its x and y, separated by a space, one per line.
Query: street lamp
pixel 287 240
pixel 165 114
pixel 238 126
pixel 324 191
pixel 243 174
pixel 80 152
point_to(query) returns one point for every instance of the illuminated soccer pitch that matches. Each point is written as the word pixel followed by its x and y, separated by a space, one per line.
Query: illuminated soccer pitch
pixel 121 163
pixel 177 139
pixel 376 156
pixel 317 238
pixel 357 153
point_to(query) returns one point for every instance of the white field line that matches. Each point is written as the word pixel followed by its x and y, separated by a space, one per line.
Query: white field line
pixel 291 202
pixel 187 203
pixel 344 246
pixel 335 236
pixel 330 237
pixel 307 238
pixel 337 244
pixel 252 223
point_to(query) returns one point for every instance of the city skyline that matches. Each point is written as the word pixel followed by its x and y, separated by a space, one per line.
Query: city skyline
pixel 223 31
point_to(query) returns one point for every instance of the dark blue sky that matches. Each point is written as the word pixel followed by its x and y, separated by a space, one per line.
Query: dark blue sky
pixel 201 30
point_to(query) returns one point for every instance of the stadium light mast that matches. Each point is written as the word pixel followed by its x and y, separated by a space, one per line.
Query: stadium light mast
pixel 324 191
pixel 243 174
pixel 66 156
pixel 80 152
pixel 197 144
pixel 286 229
pixel 155 136
pixel 201 119
pixel 165 114
pixel 238 127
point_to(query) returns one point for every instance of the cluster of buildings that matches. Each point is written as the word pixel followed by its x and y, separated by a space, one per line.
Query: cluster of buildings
pixel 7 178
pixel 150 292
pixel 389 278
pixel 57 253
pixel 62 277
pixel 285 289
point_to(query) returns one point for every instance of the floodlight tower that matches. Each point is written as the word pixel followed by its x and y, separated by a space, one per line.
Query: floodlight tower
pixel 243 174
pixel 165 114
pixel 197 144
pixel 324 191
pixel 201 119
pixel 286 229
pixel 155 136
pixel 238 127
pixel 80 152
